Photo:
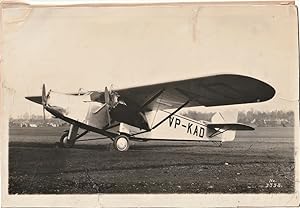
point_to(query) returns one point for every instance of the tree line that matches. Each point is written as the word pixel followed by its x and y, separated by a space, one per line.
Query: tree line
pixel 256 118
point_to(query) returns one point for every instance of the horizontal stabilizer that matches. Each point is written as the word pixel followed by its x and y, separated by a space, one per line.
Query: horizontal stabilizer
pixel 35 99
pixel 229 126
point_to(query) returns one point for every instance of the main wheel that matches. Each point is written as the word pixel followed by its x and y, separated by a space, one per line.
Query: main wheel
pixel 65 142
pixel 121 143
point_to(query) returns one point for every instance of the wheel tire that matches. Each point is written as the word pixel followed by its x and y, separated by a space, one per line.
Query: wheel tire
pixel 64 142
pixel 121 143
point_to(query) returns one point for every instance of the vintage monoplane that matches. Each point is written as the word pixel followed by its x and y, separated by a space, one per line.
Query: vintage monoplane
pixel 150 112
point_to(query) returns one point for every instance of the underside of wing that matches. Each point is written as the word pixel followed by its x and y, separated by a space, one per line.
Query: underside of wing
pixel 216 90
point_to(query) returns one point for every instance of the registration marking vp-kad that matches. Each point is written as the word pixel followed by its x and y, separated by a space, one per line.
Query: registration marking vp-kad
pixel 191 128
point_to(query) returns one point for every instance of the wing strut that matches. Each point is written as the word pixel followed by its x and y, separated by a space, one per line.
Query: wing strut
pixel 179 108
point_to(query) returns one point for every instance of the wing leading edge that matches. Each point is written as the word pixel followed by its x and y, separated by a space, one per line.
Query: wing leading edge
pixel 216 90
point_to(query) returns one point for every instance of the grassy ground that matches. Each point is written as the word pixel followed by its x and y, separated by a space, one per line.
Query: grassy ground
pixel 261 161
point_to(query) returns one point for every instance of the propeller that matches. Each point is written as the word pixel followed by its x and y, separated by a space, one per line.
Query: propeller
pixel 44 100
pixel 107 103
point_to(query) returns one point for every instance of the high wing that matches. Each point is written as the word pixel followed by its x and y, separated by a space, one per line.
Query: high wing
pixel 129 105
pixel 216 90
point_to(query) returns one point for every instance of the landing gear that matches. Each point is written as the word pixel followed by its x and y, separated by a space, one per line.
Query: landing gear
pixel 65 142
pixel 121 143
pixel 68 139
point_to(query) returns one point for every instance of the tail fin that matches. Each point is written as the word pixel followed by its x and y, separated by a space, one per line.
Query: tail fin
pixel 223 118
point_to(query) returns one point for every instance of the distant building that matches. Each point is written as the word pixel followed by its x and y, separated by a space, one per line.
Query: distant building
pixel 23 124
pixel 53 124
pixel 33 125
pixel 276 122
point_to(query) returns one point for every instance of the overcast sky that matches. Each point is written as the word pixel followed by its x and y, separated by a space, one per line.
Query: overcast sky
pixel 90 48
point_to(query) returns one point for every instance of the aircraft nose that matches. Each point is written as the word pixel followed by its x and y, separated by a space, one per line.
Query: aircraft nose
pixel 35 99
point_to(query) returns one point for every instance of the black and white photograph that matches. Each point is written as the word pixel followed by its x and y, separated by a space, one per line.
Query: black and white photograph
pixel 150 103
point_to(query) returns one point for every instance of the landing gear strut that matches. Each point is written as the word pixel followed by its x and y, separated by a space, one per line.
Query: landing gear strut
pixel 121 143
pixel 68 139
pixel 65 142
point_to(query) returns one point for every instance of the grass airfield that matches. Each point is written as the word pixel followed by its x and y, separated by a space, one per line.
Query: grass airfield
pixel 260 161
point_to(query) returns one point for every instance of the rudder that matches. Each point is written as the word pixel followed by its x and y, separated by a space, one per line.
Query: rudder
pixel 226 117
